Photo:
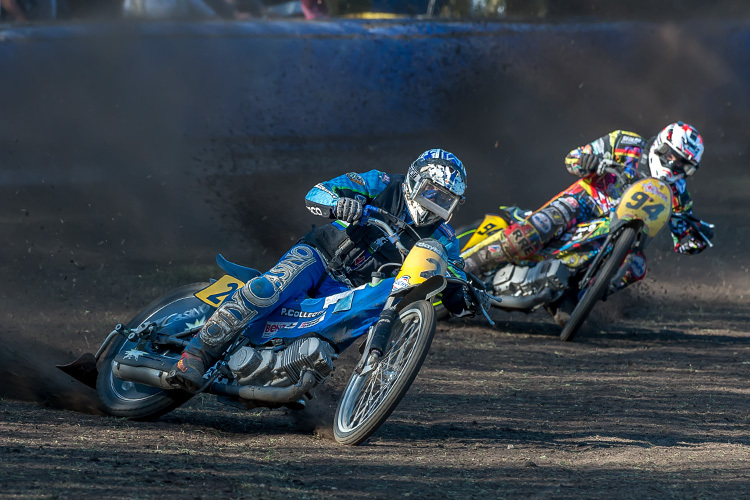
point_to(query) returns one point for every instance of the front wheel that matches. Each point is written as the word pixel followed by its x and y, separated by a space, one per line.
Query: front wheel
pixel 375 391
pixel 601 280
pixel 175 312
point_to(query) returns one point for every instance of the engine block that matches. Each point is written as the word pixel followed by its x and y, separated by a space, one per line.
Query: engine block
pixel 285 367
pixel 530 280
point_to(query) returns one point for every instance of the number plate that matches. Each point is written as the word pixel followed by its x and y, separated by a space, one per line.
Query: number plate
pixel 217 292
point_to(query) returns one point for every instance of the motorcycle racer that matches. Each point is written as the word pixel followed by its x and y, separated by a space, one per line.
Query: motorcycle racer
pixel 342 255
pixel 673 155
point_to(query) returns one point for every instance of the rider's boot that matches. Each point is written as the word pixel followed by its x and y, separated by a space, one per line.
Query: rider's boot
pixel 188 372
pixel 561 309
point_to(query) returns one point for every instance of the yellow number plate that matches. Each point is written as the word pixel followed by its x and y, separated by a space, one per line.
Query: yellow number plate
pixel 218 291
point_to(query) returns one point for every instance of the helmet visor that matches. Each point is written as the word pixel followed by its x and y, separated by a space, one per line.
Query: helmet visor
pixel 679 165
pixel 675 162
pixel 435 198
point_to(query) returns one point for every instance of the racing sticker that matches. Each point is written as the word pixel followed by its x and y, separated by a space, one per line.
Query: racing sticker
pixel 541 221
pixel 273 327
pixel 219 291
pixel 356 178
pixel 296 313
pixel 402 282
pixel 312 322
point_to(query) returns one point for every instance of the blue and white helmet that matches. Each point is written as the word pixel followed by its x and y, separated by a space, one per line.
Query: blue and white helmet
pixel 435 185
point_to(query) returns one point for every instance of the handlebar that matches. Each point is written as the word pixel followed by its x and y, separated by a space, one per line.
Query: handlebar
pixel 609 166
pixel 384 227
pixel 394 238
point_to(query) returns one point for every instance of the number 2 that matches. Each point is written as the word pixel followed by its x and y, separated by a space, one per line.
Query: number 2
pixel 218 298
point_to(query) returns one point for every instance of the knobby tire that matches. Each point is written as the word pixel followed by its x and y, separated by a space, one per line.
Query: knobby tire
pixel 410 341
pixel 595 292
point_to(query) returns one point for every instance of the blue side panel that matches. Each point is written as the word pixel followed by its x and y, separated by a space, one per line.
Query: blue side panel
pixel 341 318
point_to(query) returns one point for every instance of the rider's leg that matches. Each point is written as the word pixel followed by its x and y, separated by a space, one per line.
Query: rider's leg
pixel 522 240
pixel 636 271
pixel 297 272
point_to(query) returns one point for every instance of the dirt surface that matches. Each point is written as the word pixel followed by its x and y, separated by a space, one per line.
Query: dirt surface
pixel 650 401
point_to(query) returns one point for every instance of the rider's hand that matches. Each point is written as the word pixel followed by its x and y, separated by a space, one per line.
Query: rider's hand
pixel 690 244
pixel 483 300
pixel 348 209
pixel 589 163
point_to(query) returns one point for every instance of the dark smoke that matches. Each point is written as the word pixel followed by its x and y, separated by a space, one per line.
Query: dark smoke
pixel 28 373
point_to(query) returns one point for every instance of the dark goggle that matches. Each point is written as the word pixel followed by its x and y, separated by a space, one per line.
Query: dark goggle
pixel 435 198
pixel 676 163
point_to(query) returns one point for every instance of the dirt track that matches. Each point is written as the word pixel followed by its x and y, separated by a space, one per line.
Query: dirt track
pixel 651 401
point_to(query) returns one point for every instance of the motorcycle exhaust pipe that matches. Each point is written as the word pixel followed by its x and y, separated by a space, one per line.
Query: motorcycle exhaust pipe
pixel 523 302
pixel 141 375
pixel 267 394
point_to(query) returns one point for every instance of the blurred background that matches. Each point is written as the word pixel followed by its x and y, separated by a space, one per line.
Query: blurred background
pixel 139 138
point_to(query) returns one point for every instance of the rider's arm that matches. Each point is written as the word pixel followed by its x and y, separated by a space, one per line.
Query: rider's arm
pixel 321 199
pixel 619 145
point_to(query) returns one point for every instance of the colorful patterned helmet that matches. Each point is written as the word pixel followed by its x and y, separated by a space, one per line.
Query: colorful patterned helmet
pixel 676 152
pixel 435 185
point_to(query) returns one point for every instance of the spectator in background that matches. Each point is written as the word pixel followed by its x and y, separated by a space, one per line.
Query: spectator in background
pixel 14 9
pixel 314 9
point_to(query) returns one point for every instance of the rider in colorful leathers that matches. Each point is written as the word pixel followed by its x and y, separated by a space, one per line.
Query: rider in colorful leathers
pixel 342 255
pixel 672 155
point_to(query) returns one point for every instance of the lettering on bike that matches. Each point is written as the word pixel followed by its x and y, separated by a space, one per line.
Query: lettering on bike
pixel 638 201
pixel 488 229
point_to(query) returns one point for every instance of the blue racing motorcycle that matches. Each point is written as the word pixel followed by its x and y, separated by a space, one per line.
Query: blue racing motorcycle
pixel 277 361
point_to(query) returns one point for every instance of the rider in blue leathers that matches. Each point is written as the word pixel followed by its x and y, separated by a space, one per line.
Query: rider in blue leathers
pixel 342 255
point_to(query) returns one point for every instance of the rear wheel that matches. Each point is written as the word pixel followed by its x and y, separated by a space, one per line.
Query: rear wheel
pixel 373 393
pixel 600 284
pixel 123 398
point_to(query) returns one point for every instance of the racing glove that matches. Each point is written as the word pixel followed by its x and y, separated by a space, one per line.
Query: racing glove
pixel 589 163
pixel 690 244
pixel 348 209
pixel 471 304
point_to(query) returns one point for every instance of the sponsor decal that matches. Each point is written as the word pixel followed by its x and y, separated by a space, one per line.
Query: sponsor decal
pixel 494 248
pixel 638 267
pixel 356 178
pixel 195 312
pixel 402 282
pixel 312 322
pixel 359 260
pixel 429 246
pixel 651 188
pixel 295 313
pixel 315 210
pixel 542 222
pixel 273 327
pixel 332 299
pixel 630 140
pixel 133 354
pixel 386 178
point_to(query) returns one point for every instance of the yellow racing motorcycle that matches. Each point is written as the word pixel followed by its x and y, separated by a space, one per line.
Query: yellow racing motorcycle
pixel 585 264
